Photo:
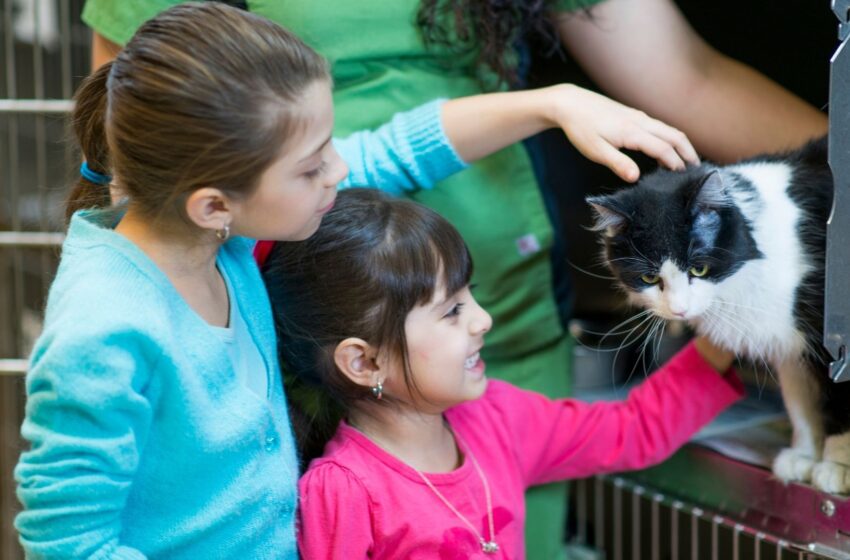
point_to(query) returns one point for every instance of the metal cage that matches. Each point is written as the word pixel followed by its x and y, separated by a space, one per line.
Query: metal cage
pixel 45 49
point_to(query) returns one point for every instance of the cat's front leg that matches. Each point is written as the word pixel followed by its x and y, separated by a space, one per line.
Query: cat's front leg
pixel 801 393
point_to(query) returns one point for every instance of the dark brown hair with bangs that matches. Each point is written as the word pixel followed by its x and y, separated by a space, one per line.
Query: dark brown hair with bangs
pixel 204 94
pixel 373 259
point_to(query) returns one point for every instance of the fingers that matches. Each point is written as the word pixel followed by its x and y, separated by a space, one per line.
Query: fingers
pixel 675 137
pixel 600 127
pixel 657 148
pixel 604 153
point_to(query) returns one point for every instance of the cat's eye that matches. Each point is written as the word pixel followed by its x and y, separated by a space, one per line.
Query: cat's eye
pixel 650 278
pixel 698 271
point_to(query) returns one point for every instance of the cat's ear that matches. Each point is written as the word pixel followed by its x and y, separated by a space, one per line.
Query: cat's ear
pixel 609 218
pixel 711 192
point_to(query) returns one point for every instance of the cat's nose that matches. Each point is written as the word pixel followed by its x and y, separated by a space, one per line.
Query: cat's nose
pixel 679 312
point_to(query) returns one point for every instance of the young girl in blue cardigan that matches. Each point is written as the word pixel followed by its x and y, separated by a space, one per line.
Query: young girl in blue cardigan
pixel 155 412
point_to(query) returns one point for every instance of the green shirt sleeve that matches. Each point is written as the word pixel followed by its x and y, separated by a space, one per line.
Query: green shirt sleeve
pixel 118 21
pixel 573 5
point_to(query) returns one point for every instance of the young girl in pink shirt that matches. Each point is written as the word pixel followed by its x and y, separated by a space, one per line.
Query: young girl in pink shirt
pixel 430 459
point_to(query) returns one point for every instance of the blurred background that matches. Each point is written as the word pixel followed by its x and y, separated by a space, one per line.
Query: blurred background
pixel 44 49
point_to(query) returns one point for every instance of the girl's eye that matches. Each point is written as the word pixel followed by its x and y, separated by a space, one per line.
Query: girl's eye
pixel 455 310
pixel 698 271
pixel 313 173
pixel 650 278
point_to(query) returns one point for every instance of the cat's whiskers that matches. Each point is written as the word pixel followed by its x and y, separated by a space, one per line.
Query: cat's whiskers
pixel 629 332
pixel 737 305
pixel 632 318
pixel 636 250
pixel 660 338
pixel 628 340
pixel 653 330
pixel 775 349
pixel 592 274
pixel 755 353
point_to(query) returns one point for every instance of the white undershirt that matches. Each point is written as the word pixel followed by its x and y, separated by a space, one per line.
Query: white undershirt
pixel 244 353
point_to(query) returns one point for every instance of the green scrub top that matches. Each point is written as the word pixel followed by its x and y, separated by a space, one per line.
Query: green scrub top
pixel 381 66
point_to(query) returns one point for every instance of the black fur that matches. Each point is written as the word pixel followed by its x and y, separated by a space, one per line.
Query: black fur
pixel 661 219
pixel 664 218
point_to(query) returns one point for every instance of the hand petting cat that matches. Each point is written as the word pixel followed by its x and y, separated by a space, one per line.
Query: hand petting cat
pixel 596 125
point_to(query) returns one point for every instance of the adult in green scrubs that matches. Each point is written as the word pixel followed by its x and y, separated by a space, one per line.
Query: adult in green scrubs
pixel 381 65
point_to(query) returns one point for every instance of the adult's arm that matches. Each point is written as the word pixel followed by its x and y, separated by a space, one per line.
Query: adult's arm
pixel 102 50
pixel 645 54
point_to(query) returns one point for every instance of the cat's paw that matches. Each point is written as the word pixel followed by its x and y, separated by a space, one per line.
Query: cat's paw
pixel 831 477
pixel 793 464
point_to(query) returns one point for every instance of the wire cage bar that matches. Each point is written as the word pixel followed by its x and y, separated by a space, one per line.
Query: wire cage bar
pixel 45 50
pixel 621 519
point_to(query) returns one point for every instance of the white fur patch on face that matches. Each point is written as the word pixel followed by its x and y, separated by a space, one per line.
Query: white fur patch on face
pixel 678 296
pixel 752 311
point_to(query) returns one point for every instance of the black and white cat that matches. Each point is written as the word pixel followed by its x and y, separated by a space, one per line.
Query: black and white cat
pixel 738 252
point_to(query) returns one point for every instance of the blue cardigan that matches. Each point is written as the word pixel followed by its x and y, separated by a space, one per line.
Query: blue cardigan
pixel 143 442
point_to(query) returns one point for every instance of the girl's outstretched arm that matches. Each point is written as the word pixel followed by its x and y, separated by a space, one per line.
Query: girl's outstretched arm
pixel 597 126
pixel 561 439
pixel 420 147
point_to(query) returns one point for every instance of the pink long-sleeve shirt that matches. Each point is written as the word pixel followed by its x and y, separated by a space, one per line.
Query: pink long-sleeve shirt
pixel 358 501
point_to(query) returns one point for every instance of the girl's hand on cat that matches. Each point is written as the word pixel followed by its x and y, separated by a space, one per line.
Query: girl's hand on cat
pixel 599 127
pixel 718 358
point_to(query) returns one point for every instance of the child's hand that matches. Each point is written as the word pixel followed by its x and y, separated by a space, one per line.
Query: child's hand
pixel 718 358
pixel 598 127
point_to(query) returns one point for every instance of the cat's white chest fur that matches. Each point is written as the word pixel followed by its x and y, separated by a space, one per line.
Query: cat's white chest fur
pixel 753 310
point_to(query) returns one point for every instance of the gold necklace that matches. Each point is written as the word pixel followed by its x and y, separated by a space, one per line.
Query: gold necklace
pixel 489 547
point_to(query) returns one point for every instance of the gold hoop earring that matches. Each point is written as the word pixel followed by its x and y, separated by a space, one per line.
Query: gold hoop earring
pixel 223 234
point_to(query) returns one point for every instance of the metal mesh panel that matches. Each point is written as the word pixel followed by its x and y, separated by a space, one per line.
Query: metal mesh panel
pixel 45 52
pixel 622 520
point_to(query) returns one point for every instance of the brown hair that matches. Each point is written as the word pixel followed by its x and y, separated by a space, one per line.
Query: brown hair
pixel 491 27
pixel 203 94
pixel 373 259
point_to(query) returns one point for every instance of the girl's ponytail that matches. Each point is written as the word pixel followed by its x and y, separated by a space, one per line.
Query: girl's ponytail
pixel 89 120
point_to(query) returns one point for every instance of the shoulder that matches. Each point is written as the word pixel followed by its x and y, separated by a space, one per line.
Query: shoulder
pixel 329 479
pixel 101 286
pixel 107 302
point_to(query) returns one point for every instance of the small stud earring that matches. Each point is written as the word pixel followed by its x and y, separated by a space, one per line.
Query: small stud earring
pixel 378 390
pixel 223 234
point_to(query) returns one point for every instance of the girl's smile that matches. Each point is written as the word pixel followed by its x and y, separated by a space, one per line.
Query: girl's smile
pixel 475 366
pixel 444 340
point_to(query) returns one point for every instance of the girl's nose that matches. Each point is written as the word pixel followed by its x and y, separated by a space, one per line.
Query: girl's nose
pixel 338 172
pixel 482 322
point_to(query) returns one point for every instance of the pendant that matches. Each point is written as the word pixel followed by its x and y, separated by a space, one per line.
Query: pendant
pixel 490 547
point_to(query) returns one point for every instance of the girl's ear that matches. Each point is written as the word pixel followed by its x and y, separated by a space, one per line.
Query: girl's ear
pixel 209 208
pixel 357 360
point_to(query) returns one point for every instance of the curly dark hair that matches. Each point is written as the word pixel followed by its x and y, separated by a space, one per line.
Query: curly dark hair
pixel 491 26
